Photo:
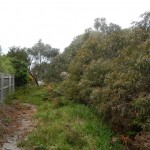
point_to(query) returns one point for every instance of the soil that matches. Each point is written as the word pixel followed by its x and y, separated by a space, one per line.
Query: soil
pixel 16 121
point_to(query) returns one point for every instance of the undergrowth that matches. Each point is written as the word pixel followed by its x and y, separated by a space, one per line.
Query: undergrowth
pixel 62 124
pixel 27 94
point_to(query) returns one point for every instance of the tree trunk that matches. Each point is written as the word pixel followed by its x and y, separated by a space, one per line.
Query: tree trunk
pixel 34 77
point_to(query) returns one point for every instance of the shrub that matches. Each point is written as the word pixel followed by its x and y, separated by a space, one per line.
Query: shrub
pixel 21 72
pixel 110 72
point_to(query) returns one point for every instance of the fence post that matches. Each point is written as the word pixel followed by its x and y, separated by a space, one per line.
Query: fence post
pixel 2 83
pixel 13 83
pixel 10 85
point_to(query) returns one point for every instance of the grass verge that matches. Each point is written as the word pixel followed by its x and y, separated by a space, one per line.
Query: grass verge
pixel 62 124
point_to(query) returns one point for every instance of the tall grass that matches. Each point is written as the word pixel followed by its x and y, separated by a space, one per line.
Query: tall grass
pixel 27 94
pixel 63 125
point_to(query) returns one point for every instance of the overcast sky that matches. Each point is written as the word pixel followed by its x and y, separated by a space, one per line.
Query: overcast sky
pixel 57 22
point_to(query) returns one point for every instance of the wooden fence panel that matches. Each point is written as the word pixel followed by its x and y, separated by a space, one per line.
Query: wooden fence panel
pixel 6 85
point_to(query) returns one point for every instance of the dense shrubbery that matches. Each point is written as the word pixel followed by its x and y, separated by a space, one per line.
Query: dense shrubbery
pixel 110 72
pixel 21 72
pixel 19 61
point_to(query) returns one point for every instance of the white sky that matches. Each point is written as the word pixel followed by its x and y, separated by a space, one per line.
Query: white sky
pixel 57 22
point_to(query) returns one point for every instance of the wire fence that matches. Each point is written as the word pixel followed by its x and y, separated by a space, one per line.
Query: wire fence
pixel 6 85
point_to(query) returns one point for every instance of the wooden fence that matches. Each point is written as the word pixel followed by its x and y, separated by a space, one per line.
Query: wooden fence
pixel 6 85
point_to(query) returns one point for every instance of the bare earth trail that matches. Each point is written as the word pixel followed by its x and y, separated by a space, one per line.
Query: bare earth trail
pixel 16 121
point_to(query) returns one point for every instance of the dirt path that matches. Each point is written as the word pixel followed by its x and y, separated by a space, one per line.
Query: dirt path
pixel 16 121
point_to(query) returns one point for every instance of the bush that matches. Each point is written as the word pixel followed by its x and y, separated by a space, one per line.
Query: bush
pixel 114 79
pixel 21 72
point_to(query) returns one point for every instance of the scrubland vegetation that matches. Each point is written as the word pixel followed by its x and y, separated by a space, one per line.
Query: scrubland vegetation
pixel 106 69
pixel 109 71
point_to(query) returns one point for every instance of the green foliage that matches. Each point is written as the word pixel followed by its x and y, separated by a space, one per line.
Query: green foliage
pixel 107 69
pixel 21 72
pixel 18 53
pixel 28 94
pixel 142 110
pixel 6 65
pixel 96 72
pixel 62 61
pixel 56 67
pixel 144 24
pixel 101 25
pixel 67 126
pixel 40 56
pixel 19 60
pixel 71 89
pixel 110 72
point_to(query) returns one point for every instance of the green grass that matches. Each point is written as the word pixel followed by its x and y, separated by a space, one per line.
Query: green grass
pixel 27 94
pixel 63 125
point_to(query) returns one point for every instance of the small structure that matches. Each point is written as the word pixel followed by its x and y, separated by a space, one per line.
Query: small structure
pixel 6 85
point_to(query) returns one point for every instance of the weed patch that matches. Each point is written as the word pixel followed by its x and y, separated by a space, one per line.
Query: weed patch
pixel 62 124
pixel 65 125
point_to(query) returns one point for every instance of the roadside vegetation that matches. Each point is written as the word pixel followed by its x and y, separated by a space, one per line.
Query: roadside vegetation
pixel 105 69
pixel 62 124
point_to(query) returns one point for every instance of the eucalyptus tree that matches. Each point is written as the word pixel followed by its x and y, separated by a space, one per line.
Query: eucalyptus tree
pixel 101 25
pixel 144 23
pixel 40 55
